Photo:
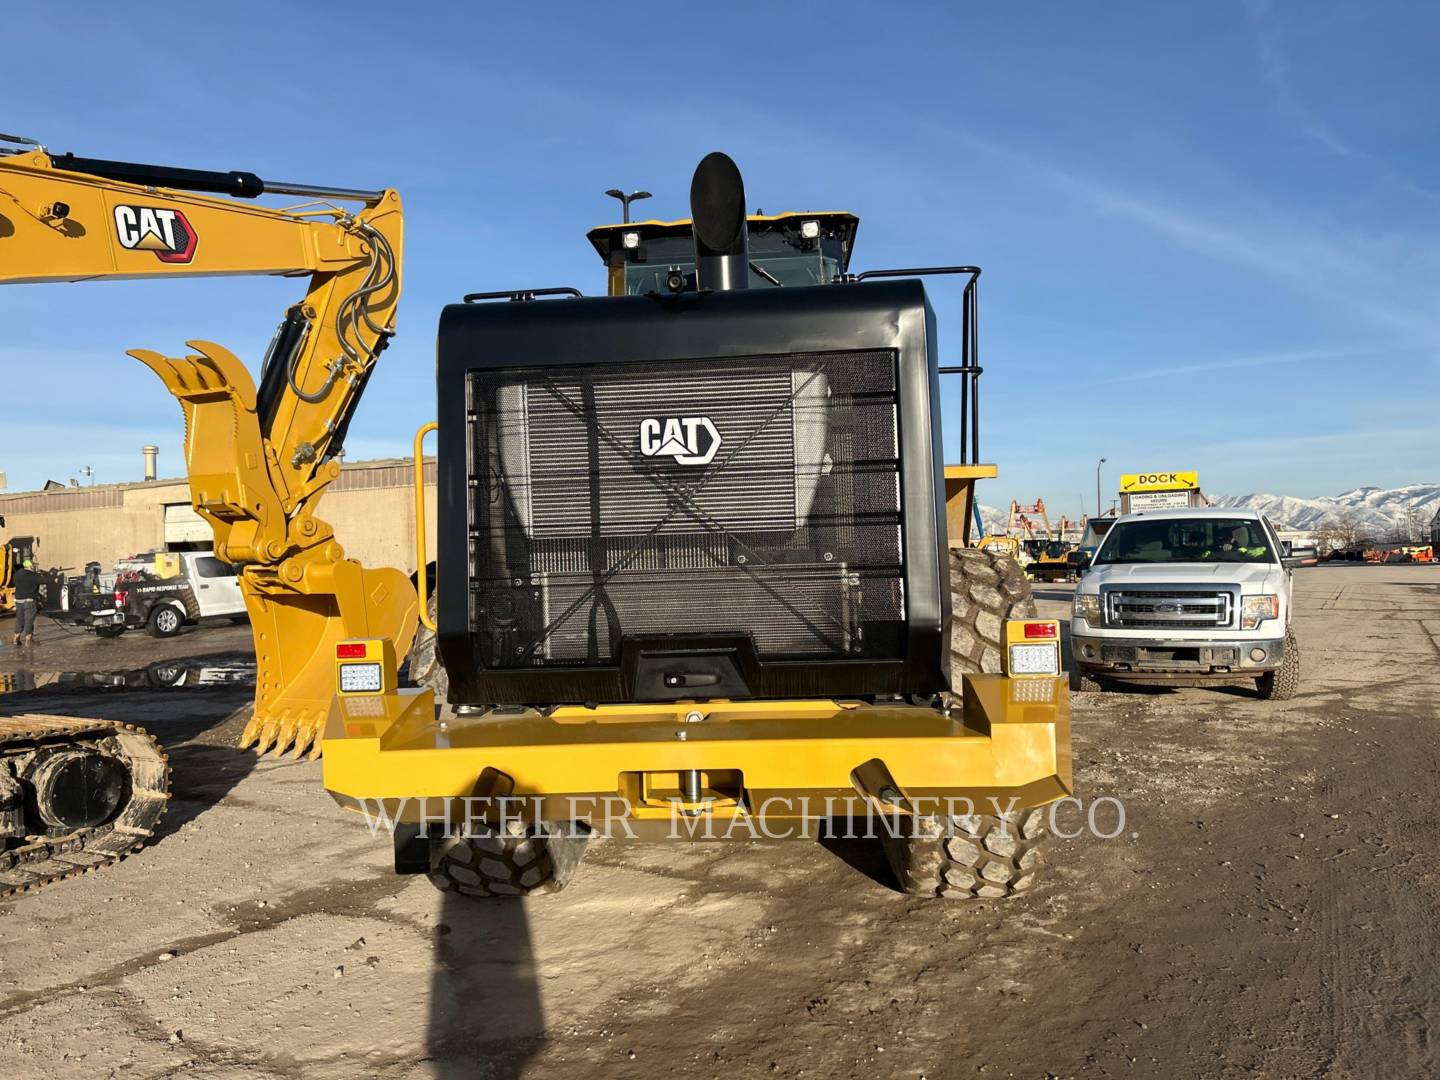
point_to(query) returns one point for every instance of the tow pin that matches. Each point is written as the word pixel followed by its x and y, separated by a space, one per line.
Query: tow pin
pixel 693 717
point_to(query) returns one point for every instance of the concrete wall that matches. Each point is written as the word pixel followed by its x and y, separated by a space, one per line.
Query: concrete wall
pixel 371 506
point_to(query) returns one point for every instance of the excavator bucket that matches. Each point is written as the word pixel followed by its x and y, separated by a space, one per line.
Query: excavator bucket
pixel 301 593
pixel 295 638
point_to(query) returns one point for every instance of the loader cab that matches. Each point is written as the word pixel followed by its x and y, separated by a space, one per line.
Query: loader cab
pixel 13 554
pixel 20 548
pixel 789 249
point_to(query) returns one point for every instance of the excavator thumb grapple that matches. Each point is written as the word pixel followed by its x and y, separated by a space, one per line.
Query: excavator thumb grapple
pixel 300 607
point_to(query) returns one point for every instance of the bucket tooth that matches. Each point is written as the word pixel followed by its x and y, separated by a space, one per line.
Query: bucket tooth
pixel 268 734
pixel 298 735
pixel 251 734
pixel 284 733
pixel 304 741
pixel 307 738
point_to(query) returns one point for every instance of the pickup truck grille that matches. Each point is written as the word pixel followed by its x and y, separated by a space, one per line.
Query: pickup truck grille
pixel 1168 609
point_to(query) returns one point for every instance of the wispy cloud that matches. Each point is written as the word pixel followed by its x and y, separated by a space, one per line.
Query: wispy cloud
pixel 1300 356
pixel 1368 447
pixel 1263 25
pixel 1357 273
pixel 1206 233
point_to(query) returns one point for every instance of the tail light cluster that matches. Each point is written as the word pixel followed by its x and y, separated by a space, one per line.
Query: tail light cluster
pixel 1032 649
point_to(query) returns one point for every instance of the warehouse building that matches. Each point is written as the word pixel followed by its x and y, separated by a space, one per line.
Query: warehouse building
pixel 371 506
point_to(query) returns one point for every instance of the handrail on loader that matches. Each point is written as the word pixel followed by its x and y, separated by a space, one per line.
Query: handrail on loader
pixel 422 587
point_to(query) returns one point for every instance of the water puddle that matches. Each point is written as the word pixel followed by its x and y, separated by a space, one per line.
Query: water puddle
pixel 161 675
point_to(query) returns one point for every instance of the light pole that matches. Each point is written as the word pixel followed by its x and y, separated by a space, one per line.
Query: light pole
pixel 1097 486
pixel 626 200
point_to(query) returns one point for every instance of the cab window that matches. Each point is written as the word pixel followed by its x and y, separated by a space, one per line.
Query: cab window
pixel 207 566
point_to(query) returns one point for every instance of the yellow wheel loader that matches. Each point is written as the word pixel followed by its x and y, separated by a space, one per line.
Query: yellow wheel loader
pixel 702 574
pixel 700 566
pixel 1053 562
pixel 13 554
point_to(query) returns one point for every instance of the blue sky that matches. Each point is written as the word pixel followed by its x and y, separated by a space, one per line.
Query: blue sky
pixel 1210 232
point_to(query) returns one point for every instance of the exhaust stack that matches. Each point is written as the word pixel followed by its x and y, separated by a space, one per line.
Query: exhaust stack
pixel 717 210
pixel 151 454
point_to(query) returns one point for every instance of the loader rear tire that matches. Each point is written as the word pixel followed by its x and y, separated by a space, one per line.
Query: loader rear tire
pixel 986 588
pixel 969 857
pixel 426 668
pixel 519 862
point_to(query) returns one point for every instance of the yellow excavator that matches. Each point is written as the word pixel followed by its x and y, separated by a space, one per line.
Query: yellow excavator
pixel 699 558
pixel 259 458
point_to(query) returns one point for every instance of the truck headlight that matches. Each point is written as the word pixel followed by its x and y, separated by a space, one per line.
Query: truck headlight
pixel 1256 609
pixel 1087 607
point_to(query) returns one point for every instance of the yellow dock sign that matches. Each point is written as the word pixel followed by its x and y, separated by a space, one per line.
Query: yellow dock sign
pixel 1159 481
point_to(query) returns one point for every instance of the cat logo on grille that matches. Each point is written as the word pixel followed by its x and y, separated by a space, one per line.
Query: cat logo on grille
pixel 150 228
pixel 690 440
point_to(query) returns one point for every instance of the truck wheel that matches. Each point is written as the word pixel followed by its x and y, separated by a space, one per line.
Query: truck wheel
pixel 425 666
pixel 517 862
pixel 109 631
pixel 164 621
pixel 977 857
pixel 986 588
pixel 1281 684
pixel 1086 681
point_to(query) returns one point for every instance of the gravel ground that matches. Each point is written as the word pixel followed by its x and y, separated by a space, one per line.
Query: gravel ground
pixel 1267 909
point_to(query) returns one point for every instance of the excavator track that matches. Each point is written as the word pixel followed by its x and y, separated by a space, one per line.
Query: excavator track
pixel 58 775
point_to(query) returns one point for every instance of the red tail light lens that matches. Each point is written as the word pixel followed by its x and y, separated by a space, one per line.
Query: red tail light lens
pixel 350 650
pixel 121 595
pixel 1042 630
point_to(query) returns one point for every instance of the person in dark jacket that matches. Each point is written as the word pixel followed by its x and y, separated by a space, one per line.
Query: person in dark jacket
pixel 27 602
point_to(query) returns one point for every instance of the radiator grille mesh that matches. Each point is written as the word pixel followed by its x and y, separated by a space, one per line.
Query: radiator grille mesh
pixel 755 496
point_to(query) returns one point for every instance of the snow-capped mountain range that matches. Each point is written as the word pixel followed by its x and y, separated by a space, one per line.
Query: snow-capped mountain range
pixel 1384 511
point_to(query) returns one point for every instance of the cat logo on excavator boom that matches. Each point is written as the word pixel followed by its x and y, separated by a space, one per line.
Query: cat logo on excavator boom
pixel 151 228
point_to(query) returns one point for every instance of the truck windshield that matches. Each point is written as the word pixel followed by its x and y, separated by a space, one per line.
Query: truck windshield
pixel 1186 540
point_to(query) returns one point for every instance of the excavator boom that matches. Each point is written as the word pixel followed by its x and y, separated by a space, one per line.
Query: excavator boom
pixel 259 456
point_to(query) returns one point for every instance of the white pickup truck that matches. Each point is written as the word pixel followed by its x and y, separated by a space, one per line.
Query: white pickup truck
pixel 196 587
pixel 1187 597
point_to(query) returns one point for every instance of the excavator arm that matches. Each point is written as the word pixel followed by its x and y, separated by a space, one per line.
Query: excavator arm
pixel 259 457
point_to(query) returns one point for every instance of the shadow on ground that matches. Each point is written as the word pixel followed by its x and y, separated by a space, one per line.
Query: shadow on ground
pixel 486 1016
